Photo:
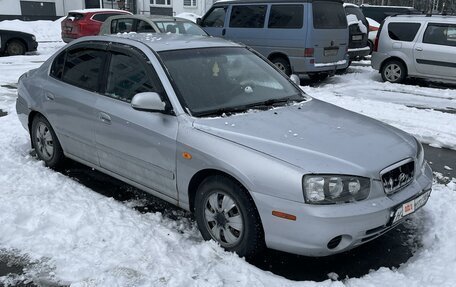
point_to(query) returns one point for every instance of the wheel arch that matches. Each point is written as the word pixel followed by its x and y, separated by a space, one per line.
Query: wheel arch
pixel 275 55
pixel 395 58
pixel 19 40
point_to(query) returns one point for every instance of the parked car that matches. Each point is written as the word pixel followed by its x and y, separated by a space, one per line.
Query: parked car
pixel 150 24
pixel 373 29
pixel 86 22
pixel 379 13
pixel 13 43
pixel 358 46
pixel 416 46
pixel 214 128
pixel 302 37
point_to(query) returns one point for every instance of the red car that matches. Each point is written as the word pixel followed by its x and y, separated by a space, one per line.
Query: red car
pixel 86 22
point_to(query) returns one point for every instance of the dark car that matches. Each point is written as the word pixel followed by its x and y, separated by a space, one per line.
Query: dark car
pixel 379 13
pixel 86 22
pixel 358 46
pixel 14 43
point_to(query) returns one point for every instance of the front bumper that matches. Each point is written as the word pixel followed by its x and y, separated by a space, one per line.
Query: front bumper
pixel 316 227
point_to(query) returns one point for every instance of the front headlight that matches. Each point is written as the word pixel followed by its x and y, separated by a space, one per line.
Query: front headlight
pixel 332 189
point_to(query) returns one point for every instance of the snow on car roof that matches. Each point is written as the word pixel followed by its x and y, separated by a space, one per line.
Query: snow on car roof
pixel 97 10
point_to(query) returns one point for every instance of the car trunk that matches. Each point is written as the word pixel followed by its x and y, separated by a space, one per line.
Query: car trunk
pixel 70 25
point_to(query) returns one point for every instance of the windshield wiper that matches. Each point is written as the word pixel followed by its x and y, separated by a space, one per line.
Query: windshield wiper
pixel 221 111
pixel 277 102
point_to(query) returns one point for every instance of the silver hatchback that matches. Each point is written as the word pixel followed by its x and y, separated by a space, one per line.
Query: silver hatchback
pixel 416 46
pixel 216 129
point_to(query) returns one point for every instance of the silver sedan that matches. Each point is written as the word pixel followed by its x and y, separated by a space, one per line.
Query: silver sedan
pixel 216 129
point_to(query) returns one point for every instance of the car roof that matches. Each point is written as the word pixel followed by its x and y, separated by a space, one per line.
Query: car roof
pixel 222 2
pixel 163 42
pixel 422 17
pixel 98 10
pixel 151 17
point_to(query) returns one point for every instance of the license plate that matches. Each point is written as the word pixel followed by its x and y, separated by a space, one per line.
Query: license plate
pixel 410 206
pixel 330 52
pixel 357 37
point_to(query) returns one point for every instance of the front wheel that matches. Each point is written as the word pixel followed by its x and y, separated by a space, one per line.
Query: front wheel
pixel 394 72
pixel 15 48
pixel 225 213
pixel 45 142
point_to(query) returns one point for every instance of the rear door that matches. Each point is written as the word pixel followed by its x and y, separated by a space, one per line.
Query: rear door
pixel 328 35
pixel 214 21
pixel 138 145
pixel 435 54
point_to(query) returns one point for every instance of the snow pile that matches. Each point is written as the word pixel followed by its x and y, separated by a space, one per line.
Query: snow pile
pixel 189 16
pixel 43 30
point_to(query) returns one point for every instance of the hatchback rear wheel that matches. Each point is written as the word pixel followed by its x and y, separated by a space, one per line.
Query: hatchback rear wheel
pixel 394 72
pixel 226 214
pixel 45 142
pixel 15 47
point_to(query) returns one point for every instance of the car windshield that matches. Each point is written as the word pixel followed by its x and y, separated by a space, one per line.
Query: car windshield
pixel 179 27
pixel 216 81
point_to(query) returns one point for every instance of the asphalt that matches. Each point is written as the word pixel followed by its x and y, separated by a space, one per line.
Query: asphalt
pixel 390 250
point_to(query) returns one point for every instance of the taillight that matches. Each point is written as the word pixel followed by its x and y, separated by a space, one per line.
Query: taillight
pixel 308 52
pixel 373 28
pixel 377 37
pixel 376 43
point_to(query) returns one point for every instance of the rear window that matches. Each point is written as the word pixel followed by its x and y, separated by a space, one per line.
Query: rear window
pixel 104 16
pixel 75 16
pixel 286 16
pixel 248 16
pixel 403 31
pixel 329 15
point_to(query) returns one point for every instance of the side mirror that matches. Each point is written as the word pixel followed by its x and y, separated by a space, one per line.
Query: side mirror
pixel 295 79
pixel 198 21
pixel 148 101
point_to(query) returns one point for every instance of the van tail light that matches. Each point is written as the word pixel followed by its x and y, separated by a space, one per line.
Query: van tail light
pixel 308 52
pixel 376 43
pixel 377 37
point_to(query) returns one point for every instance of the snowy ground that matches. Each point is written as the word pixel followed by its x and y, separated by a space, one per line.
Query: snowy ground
pixel 73 235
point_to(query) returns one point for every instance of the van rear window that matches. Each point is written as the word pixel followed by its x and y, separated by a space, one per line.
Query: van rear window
pixel 328 15
pixel 286 16
pixel 403 31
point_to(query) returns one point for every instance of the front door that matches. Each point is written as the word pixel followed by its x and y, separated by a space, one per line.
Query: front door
pixel 138 145
pixel 214 21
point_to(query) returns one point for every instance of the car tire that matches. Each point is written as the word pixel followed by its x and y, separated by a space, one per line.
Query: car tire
pixel 282 64
pixel 45 142
pixel 226 214
pixel 394 71
pixel 15 48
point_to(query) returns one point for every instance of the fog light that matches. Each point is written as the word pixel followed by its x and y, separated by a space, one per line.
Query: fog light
pixel 333 243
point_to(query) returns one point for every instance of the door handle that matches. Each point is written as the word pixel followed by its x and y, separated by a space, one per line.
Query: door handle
pixel 50 96
pixel 419 49
pixel 223 32
pixel 104 117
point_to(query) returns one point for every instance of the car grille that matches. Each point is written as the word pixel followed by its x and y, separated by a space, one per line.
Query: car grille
pixel 398 177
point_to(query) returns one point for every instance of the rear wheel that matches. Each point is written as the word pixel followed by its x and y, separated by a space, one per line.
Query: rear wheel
pixel 226 214
pixel 282 64
pixel 394 71
pixel 45 142
pixel 15 47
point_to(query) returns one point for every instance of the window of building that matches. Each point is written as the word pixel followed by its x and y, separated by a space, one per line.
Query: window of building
pixel 247 16
pixel 286 16
pixel 160 2
pixel 403 31
pixel 189 3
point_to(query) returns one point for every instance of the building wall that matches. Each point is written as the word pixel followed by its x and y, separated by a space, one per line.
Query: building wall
pixel 11 9
pixel 177 7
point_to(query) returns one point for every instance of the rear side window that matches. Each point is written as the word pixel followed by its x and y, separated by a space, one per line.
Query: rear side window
pixel 215 18
pixel 328 15
pixel 248 16
pixel 83 68
pixel 75 16
pixel 403 31
pixel 286 16
pixel 144 27
pixel 102 17
pixel 127 77
pixel 440 34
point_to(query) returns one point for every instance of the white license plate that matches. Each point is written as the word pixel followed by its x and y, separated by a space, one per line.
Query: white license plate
pixel 411 206
pixel 330 52
pixel 357 37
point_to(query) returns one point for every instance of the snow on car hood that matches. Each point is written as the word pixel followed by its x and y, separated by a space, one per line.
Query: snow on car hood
pixel 317 137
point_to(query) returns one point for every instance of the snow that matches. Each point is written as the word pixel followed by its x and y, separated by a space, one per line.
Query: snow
pixel 75 236
pixel 189 16
pixel 94 10
pixel 341 62
pixel 43 30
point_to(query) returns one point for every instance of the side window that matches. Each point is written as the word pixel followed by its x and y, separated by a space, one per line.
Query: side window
pixel 103 16
pixel 57 66
pixel 216 18
pixel 124 25
pixel 403 31
pixel 248 16
pixel 440 34
pixel 286 16
pixel 144 27
pixel 114 27
pixel 83 68
pixel 127 76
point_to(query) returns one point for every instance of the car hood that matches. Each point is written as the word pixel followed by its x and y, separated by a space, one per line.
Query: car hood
pixel 317 137
pixel 12 32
